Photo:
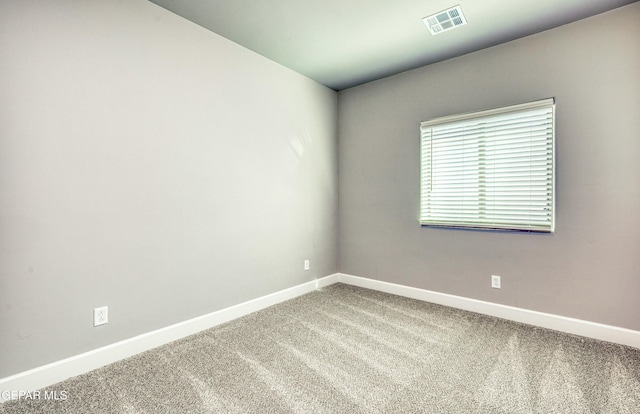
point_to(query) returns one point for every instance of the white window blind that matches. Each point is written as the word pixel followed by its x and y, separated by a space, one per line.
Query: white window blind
pixel 490 170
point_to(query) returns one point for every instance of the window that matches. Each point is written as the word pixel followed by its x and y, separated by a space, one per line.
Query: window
pixel 490 170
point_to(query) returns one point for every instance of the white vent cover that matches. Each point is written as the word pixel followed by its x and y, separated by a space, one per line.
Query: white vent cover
pixel 445 20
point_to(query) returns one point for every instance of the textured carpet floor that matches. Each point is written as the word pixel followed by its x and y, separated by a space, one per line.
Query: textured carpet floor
pixel 344 349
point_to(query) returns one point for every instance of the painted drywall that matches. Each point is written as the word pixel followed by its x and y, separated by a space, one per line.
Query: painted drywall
pixel 151 166
pixel 590 268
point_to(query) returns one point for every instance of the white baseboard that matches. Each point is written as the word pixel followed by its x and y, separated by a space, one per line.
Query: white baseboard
pixel 55 372
pixel 545 320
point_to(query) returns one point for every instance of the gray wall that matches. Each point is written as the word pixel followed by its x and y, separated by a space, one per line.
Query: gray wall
pixel 151 166
pixel 588 269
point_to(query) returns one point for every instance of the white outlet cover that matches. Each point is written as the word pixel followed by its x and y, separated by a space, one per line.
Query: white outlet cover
pixel 100 316
pixel 495 282
pixel 307 265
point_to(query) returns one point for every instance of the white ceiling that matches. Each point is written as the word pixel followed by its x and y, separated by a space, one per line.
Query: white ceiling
pixel 343 43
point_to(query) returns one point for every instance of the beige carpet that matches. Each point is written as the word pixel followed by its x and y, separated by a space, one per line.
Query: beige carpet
pixel 350 350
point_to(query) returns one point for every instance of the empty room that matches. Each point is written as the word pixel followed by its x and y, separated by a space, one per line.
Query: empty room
pixel 417 206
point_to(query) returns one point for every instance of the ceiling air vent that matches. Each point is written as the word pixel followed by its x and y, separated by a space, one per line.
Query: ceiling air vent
pixel 445 20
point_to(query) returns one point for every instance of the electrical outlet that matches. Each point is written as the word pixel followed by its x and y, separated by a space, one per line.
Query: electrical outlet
pixel 307 265
pixel 495 282
pixel 100 316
